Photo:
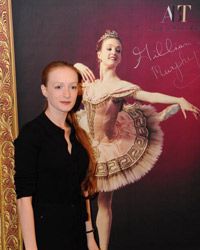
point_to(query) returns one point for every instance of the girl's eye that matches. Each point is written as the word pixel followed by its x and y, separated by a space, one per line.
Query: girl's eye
pixel 74 87
pixel 58 87
pixel 109 49
pixel 118 50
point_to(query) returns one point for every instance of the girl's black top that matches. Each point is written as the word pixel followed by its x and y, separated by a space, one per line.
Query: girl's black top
pixel 46 171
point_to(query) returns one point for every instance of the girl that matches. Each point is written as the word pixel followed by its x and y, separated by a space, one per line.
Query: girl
pixel 52 156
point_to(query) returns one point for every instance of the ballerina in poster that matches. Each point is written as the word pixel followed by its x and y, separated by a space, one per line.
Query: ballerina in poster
pixel 126 138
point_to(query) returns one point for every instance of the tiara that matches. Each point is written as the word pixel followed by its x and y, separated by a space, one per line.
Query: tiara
pixel 109 34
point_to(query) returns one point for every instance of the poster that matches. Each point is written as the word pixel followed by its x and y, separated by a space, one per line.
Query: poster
pixel 161 53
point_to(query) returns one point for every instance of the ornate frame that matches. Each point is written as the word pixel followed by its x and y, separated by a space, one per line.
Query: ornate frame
pixel 9 230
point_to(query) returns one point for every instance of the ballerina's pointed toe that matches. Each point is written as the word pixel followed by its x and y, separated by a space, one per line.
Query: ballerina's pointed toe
pixel 168 112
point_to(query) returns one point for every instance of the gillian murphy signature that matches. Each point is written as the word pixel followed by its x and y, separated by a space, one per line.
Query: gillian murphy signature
pixel 163 50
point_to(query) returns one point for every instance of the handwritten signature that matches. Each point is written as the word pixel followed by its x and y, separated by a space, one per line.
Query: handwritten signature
pixel 177 68
pixel 161 50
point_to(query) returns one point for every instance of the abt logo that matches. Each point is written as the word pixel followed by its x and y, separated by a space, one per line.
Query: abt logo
pixel 176 13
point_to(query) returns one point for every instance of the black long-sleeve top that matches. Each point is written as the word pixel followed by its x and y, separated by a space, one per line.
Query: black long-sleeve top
pixel 46 171
pixel 44 167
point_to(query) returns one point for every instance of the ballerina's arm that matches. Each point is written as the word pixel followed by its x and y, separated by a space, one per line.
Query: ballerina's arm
pixel 85 72
pixel 166 99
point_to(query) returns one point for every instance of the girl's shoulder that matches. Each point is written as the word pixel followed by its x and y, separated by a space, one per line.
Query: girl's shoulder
pixel 31 131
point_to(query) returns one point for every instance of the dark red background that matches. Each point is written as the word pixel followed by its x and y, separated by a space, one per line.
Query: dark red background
pixel 162 209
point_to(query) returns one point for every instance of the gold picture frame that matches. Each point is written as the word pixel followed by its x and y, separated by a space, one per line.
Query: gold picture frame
pixel 9 231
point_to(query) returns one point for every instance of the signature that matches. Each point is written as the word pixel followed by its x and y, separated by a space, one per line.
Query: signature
pixel 177 67
pixel 161 49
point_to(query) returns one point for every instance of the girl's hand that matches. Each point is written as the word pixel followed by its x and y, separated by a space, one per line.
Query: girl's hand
pixel 85 72
pixel 187 106
pixel 92 245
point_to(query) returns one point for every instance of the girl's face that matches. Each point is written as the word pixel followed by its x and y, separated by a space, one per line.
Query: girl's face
pixel 110 53
pixel 61 89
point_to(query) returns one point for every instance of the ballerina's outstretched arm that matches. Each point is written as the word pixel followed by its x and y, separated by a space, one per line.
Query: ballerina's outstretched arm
pixel 166 99
pixel 150 97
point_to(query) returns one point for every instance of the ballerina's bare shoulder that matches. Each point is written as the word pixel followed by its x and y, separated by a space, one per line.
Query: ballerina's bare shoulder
pixel 100 89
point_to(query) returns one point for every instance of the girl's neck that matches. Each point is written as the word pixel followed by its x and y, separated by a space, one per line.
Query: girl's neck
pixel 57 118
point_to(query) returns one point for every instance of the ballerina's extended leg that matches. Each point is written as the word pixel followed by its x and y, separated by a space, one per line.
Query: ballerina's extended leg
pixel 168 112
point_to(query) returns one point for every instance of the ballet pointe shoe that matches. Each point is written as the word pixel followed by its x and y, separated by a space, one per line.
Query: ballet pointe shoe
pixel 168 112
